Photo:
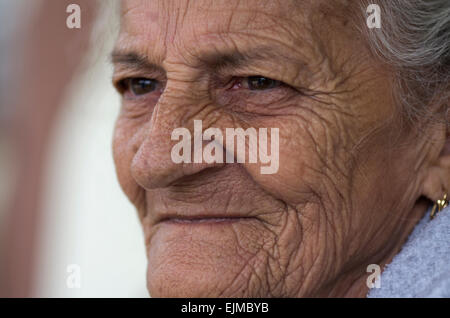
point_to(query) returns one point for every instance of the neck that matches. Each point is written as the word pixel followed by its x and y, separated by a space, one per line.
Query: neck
pixel 353 283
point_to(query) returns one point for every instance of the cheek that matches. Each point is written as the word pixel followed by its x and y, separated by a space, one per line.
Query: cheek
pixel 305 147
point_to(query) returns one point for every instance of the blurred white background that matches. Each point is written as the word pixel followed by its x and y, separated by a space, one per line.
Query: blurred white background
pixel 86 220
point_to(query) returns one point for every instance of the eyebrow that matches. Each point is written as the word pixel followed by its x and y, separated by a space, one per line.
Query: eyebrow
pixel 237 59
pixel 132 60
pixel 214 60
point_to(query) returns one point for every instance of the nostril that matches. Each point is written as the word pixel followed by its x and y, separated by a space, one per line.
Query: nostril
pixel 153 165
pixel 153 173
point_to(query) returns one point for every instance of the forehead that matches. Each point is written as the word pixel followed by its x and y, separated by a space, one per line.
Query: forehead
pixel 152 27
pixel 174 16
pixel 173 31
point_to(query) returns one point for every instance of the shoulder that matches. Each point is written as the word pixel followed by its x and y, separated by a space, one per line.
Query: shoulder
pixel 422 268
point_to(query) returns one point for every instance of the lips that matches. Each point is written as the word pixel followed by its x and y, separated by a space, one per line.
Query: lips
pixel 202 219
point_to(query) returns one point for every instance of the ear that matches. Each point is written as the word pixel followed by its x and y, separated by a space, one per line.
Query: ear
pixel 437 179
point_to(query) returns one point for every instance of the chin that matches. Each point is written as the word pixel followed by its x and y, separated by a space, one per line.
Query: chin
pixel 188 282
pixel 203 261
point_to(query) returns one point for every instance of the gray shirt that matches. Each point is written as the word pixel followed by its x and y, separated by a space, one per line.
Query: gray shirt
pixel 422 267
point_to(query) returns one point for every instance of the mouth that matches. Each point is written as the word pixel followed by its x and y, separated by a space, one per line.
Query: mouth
pixel 198 220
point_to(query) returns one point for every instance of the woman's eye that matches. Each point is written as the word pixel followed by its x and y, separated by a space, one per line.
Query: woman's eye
pixel 261 83
pixel 140 86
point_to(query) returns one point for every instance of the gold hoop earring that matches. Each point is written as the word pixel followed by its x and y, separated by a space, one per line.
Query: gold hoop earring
pixel 439 206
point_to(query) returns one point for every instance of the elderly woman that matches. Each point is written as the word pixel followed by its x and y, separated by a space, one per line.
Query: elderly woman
pixel 356 118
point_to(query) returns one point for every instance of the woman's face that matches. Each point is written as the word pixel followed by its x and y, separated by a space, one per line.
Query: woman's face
pixel 329 211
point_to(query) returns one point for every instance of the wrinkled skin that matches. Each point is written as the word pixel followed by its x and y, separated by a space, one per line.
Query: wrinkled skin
pixel 351 181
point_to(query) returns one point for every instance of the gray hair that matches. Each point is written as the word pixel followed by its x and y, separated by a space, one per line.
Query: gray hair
pixel 414 39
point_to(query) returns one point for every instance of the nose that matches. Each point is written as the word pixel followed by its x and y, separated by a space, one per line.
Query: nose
pixel 152 166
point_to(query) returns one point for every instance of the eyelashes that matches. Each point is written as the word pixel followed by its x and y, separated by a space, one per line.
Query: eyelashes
pixel 258 83
pixel 136 87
